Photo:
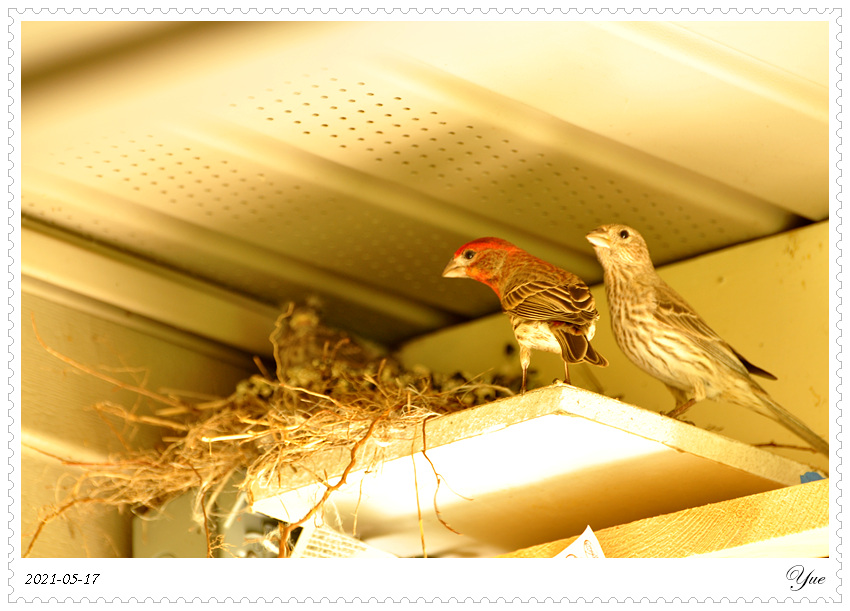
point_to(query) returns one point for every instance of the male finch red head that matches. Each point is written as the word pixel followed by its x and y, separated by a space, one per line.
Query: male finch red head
pixel 663 335
pixel 550 309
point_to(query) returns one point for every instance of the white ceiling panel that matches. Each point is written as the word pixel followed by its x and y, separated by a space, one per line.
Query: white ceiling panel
pixel 350 159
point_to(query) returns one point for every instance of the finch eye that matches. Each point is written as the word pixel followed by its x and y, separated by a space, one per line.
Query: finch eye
pixel 468 254
pixel 624 234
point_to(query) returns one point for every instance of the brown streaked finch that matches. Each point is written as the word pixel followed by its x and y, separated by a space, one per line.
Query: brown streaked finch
pixel 663 335
pixel 550 308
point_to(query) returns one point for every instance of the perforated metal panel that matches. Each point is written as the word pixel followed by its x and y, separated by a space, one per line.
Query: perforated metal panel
pixel 350 160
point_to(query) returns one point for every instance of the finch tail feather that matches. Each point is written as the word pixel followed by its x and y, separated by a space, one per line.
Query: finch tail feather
pixel 793 424
pixel 576 349
pixel 594 358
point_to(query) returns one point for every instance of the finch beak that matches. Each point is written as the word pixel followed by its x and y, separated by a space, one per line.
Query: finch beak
pixel 599 238
pixel 454 270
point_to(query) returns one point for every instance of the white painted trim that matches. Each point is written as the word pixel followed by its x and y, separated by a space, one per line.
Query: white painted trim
pixel 82 277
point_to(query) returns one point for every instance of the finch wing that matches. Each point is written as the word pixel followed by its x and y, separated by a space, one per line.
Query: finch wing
pixel 674 312
pixel 542 300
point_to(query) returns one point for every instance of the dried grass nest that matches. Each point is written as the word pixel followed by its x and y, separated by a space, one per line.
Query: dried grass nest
pixel 328 390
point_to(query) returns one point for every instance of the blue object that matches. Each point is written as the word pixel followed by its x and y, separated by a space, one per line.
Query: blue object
pixel 810 476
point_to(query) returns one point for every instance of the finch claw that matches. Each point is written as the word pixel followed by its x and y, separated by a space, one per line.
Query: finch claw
pixel 680 409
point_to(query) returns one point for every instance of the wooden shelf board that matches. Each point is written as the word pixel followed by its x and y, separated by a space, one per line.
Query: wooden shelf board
pixel 527 469
pixel 790 522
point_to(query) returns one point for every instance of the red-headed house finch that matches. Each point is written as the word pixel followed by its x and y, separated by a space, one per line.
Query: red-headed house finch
pixel 663 335
pixel 550 308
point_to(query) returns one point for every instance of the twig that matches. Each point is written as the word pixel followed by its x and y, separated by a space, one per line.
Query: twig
pixel 100 414
pixel 783 446
pixel 117 410
pixel 56 513
pixel 248 435
pixel 286 531
pixel 439 480
pixel 339 344
pixel 357 506
pixel 76 463
pixel 265 372
pixel 202 491
pixel 94 372
pixel 312 393
pixel 418 508
pixel 278 329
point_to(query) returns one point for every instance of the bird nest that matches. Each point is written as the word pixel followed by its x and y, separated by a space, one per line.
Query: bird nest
pixel 328 390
